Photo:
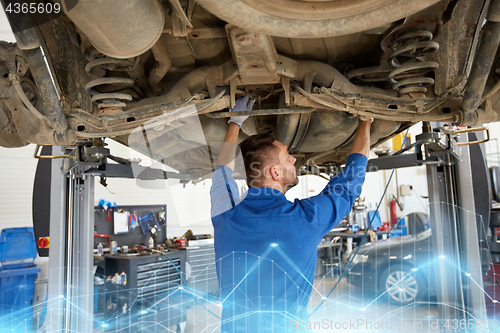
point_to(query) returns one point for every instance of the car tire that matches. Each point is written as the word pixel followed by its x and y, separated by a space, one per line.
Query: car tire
pixel 400 285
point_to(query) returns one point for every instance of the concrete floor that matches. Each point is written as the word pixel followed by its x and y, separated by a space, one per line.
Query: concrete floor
pixel 347 309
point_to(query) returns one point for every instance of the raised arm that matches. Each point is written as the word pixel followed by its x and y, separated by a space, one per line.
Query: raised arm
pixel 228 150
pixel 361 142
pixel 337 198
pixel 224 193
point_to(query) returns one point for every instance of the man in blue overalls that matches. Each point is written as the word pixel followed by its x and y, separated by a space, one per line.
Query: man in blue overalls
pixel 265 245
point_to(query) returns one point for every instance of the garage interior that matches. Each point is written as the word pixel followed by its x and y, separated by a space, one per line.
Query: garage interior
pixel 102 237
pixel 342 297
pixel 336 290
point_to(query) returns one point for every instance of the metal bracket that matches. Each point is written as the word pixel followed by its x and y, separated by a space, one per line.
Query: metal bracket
pixel 308 81
pixel 179 28
pixel 212 88
pixel 287 66
pixel 232 91
pixel 177 8
pixel 255 55
pixel 285 82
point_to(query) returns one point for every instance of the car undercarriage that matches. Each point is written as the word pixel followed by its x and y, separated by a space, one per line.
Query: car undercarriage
pixel 161 76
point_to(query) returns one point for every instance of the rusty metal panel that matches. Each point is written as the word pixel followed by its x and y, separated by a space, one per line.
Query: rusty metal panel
pixel 254 54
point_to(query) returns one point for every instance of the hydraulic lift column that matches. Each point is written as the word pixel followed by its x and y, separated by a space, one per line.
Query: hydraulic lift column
pixel 454 233
pixel 80 253
pixel 71 278
pixel 58 192
pixel 453 218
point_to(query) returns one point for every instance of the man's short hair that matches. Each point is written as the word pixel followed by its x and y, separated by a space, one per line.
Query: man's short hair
pixel 258 151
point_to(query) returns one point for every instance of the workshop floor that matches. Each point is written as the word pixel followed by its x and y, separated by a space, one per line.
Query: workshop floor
pixel 347 309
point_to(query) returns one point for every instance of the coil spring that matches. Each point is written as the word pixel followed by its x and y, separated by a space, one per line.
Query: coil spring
pixel 10 61
pixel 409 46
pixel 96 70
pixel 368 74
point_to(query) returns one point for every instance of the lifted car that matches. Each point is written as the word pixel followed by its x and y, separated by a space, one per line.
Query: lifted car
pixel 159 75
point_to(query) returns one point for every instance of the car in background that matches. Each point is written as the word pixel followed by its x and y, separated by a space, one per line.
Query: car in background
pixel 399 268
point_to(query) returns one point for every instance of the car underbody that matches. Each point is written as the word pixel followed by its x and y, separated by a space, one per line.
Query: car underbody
pixel 160 76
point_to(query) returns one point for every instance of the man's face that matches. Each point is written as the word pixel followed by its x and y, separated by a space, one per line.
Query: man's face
pixel 287 163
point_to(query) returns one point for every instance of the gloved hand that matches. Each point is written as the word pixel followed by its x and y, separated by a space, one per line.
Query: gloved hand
pixel 365 118
pixel 242 104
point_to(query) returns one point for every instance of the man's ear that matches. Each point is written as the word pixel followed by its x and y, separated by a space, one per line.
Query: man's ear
pixel 276 172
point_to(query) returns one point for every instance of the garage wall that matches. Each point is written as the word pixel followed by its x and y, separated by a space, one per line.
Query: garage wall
pixel 17 170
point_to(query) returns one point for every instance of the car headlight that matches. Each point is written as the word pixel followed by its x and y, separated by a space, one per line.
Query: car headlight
pixel 359 258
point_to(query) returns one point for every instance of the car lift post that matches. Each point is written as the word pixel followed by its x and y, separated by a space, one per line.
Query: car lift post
pixel 56 280
pixel 71 276
pixel 454 236
pixel 455 240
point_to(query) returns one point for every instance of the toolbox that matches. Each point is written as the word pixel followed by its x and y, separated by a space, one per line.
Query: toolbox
pixel 149 295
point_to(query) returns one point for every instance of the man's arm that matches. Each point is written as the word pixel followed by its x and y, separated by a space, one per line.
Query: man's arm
pixel 361 142
pixel 224 193
pixel 228 150
pixel 337 198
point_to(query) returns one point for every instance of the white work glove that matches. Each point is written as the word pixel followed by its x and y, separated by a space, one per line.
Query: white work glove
pixel 365 118
pixel 242 104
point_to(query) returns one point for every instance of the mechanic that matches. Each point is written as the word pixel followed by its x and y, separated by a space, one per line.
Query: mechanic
pixel 265 245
